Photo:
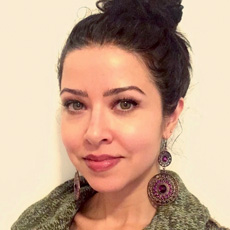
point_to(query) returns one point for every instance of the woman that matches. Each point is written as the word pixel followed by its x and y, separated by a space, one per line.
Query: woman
pixel 123 76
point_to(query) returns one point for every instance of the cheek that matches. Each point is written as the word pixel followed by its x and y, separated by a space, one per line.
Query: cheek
pixel 70 135
pixel 141 136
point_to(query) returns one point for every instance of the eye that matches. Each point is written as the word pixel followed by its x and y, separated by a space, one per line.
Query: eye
pixel 73 105
pixel 125 105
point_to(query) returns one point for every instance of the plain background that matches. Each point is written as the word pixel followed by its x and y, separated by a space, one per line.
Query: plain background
pixel 33 159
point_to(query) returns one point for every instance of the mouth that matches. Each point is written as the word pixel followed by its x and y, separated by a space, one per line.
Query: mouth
pixel 100 163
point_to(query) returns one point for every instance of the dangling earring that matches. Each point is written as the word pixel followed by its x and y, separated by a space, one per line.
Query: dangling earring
pixel 163 188
pixel 76 186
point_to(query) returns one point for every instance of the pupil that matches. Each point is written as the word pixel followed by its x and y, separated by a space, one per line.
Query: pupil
pixel 77 105
pixel 125 105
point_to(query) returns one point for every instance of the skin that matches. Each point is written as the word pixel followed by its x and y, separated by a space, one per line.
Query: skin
pixel 102 124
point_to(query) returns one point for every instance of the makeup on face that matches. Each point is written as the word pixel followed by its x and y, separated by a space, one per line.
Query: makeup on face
pixel 101 163
pixel 112 117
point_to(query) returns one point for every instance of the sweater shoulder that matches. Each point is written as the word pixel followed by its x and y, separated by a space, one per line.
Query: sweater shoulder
pixel 49 209
pixel 213 225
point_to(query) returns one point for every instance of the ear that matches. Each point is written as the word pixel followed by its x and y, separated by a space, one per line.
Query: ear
pixel 171 120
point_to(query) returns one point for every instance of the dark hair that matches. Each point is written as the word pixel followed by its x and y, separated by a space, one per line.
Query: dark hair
pixel 145 27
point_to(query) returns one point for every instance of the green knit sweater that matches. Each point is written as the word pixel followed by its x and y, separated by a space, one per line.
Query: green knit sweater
pixel 57 210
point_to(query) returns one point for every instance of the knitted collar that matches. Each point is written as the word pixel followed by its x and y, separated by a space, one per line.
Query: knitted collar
pixel 57 210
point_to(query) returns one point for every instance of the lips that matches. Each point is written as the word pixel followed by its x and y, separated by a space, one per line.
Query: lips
pixel 100 163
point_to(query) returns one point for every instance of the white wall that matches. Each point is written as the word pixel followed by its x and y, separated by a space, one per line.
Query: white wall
pixel 33 160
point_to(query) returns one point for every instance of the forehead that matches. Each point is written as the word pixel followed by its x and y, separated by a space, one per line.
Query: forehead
pixel 104 65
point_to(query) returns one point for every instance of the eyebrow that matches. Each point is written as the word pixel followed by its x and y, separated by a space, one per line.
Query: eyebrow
pixel 110 92
pixel 122 89
pixel 77 92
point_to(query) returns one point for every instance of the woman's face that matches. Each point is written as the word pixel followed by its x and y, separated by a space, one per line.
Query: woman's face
pixel 112 123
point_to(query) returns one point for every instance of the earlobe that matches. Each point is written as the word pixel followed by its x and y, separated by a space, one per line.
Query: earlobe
pixel 171 120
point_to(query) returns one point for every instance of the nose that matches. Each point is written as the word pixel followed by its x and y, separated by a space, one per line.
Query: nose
pixel 98 129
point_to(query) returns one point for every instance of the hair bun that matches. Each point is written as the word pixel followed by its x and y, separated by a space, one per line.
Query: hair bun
pixel 165 13
pixel 171 10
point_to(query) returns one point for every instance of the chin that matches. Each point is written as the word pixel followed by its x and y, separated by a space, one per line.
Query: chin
pixel 105 185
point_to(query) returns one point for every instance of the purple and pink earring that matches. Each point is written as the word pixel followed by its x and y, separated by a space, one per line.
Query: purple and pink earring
pixel 76 186
pixel 163 188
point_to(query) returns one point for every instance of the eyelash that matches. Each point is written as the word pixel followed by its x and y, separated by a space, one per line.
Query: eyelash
pixel 68 103
pixel 134 103
pixel 131 101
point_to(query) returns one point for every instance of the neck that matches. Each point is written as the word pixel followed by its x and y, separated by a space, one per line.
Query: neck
pixel 125 206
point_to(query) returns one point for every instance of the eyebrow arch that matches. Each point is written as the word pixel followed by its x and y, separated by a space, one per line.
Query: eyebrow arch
pixel 110 92
pixel 75 92
pixel 120 90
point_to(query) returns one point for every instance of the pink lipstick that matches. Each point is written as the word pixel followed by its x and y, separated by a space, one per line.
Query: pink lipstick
pixel 101 163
